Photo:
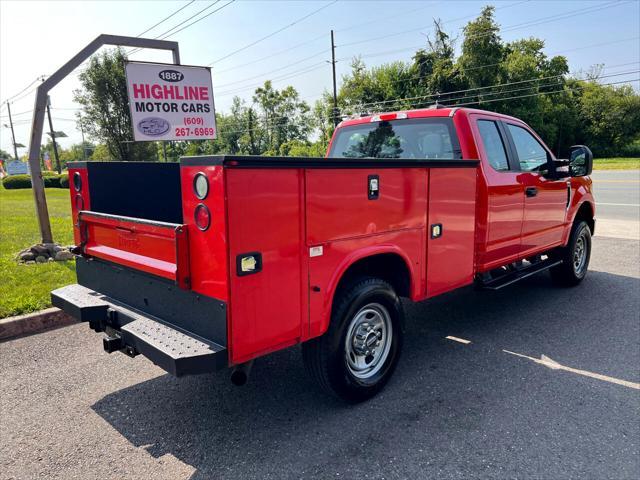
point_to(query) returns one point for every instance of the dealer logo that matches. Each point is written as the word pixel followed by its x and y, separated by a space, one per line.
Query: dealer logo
pixel 153 126
pixel 171 75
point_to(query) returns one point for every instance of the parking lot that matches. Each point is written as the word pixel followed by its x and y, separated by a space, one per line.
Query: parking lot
pixel 491 408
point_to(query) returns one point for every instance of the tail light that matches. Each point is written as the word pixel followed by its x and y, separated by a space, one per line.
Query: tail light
pixel 77 181
pixel 79 202
pixel 383 117
pixel 202 217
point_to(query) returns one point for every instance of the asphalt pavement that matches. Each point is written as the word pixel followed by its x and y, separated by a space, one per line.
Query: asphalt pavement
pixel 617 194
pixel 547 388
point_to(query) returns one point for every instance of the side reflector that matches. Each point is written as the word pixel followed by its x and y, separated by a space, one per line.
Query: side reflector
pixel 202 217
pixel 248 263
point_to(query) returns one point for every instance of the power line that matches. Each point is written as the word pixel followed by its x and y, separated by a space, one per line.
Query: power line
pixel 264 74
pixel 417 77
pixel 296 73
pixel 272 33
pixel 422 102
pixel 483 95
pixel 199 19
pixel 413 48
pixel 23 90
pixel 475 89
pixel 166 18
pixel 387 18
pixel 135 50
pixel 513 27
pixel 541 20
pixel 165 35
pixel 319 37
pixel 273 54
pixel 566 89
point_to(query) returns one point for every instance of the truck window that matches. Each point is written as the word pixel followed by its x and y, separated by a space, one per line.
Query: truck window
pixel 493 145
pixel 419 138
pixel 531 154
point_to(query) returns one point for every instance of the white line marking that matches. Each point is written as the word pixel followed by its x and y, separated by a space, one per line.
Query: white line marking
pixel 552 364
pixel 459 340
pixel 619 204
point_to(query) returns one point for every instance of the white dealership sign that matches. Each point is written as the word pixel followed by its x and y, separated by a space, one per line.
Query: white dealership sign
pixel 170 102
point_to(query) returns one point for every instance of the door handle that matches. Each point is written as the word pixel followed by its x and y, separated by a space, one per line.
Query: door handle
pixel 531 191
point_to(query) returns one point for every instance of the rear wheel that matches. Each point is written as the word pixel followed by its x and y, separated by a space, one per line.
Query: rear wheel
pixel 357 355
pixel 575 257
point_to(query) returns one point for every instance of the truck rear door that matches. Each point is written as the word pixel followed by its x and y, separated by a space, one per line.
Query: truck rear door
pixel 500 195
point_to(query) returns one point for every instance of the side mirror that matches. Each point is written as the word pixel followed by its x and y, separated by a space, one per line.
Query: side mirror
pixel 580 161
pixel 556 169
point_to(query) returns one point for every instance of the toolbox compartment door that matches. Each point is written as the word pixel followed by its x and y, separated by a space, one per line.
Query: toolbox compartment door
pixel 154 247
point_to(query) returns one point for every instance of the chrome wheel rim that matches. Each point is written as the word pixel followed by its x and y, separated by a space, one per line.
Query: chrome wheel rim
pixel 368 341
pixel 580 251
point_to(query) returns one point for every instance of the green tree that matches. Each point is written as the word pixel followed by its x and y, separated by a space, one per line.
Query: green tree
pixel 435 69
pixel 101 153
pixel 285 116
pixel 610 117
pixel 105 105
pixel 6 156
pixel 482 46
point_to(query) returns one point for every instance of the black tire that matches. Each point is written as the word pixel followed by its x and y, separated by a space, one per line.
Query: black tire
pixel 574 264
pixel 326 357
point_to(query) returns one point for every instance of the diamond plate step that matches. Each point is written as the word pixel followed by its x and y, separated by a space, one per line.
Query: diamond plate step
pixel 133 331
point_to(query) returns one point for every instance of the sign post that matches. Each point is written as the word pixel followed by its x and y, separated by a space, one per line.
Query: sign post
pixel 170 102
pixel 39 107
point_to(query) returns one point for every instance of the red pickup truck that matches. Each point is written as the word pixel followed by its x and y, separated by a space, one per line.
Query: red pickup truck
pixel 217 260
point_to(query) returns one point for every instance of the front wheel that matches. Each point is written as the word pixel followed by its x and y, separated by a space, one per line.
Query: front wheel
pixel 575 257
pixel 357 355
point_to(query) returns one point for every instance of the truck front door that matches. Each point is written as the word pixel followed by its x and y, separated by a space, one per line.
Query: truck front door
pixel 545 200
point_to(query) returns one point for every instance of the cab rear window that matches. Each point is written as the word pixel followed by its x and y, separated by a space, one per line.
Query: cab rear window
pixel 418 138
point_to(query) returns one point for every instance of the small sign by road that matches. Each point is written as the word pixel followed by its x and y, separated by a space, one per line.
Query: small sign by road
pixel 17 168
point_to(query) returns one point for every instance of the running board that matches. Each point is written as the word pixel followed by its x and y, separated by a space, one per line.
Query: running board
pixel 517 275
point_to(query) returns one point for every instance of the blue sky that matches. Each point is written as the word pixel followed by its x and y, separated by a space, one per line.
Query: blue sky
pixel 38 37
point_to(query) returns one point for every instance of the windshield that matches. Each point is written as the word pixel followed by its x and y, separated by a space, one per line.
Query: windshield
pixel 419 138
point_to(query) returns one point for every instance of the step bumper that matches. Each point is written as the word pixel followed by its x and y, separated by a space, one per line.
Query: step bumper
pixel 134 332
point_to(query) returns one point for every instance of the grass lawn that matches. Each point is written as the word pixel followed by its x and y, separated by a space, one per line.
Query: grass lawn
pixel 25 288
pixel 616 163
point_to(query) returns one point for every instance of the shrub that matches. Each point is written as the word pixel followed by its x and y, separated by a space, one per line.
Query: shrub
pixel 64 180
pixel 51 181
pixel 15 182
pixel 47 173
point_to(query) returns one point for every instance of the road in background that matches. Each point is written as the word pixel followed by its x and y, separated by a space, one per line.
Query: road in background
pixel 452 410
pixel 617 194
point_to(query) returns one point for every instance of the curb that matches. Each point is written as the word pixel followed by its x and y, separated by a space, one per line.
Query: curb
pixel 33 322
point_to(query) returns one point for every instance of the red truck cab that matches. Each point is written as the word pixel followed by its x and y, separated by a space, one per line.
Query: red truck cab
pixel 218 260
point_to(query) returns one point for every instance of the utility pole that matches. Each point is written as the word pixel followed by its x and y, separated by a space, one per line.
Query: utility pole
pixel 13 135
pixel 84 147
pixel 335 92
pixel 53 136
